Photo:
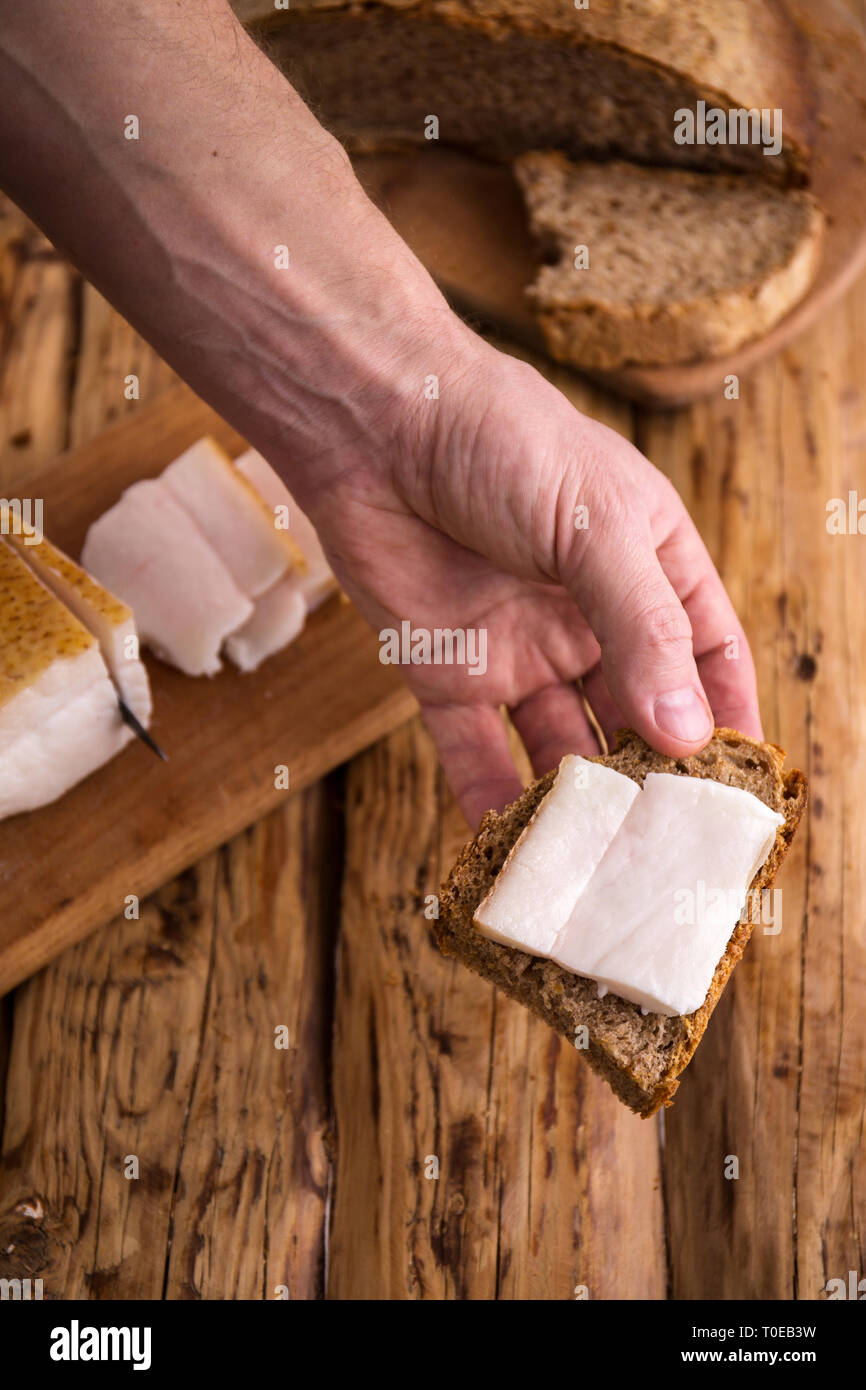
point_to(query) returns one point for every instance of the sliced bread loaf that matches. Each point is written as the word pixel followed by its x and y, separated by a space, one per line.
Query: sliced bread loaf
pixel 680 265
pixel 504 76
pixel 640 1056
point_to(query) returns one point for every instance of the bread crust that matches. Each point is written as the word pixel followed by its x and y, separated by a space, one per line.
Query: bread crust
pixel 585 329
pixel 749 55
pixel 641 1057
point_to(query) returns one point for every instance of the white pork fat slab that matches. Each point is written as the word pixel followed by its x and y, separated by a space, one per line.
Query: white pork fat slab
pixel 555 857
pixel 317 581
pixel 233 517
pixel 59 718
pixel 149 551
pixel 657 914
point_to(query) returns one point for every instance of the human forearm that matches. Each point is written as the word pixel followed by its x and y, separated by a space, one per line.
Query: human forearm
pixel 179 228
pixel 461 509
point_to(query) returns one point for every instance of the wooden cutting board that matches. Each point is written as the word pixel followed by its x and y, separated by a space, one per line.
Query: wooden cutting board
pixel 465 220
pixel 70 867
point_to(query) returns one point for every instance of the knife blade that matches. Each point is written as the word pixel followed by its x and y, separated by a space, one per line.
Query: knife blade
pixel 138 728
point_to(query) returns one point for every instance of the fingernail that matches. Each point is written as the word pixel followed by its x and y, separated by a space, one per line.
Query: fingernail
pixel 683 714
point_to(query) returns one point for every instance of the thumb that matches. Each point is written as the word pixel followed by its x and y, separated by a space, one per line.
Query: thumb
pixel 645 637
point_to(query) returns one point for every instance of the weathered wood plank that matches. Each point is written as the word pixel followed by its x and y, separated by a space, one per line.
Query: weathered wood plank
pixel 37 335
pixel 822 414
pixel 110 352
pixel 780 1080
pixel 137 821
pixel 171 1013
pixel 5 1048
pixel 544 1181
pixel 155 1039
pixel 727 1106
pixel 37 338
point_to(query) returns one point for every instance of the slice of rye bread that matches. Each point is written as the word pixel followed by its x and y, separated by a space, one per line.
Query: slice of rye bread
pixel 681 265
pixel 639 1055
pixel 504 76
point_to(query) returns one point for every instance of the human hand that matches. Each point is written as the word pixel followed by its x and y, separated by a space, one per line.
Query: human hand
pixel 457 512
pixel 467 521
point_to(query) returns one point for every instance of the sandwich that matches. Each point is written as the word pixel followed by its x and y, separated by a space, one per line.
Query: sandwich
pixel 616 895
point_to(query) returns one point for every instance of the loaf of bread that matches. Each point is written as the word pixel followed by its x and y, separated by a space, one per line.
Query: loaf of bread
pixel 678 265
pixel 505 76
pixel 640 1056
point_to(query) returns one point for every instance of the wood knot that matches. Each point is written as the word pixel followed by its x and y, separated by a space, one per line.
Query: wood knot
pixel 806 667
pixel 25 1245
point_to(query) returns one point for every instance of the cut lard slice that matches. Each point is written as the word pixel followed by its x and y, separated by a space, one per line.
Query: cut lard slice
pixel 317 581
pixel 556 856
pixel 233 517
pixel 278 617
pixel 59 717
pixel 109 619
pixel 147 549
pixel 656 917
pixel 78 738
pixel 46 655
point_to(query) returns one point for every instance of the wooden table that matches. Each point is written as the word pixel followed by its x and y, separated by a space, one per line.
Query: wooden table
pixel 304 1169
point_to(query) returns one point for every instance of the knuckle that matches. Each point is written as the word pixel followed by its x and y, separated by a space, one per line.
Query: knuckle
pixel 666 628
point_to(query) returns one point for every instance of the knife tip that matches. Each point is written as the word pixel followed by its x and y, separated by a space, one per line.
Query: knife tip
pixel 139 730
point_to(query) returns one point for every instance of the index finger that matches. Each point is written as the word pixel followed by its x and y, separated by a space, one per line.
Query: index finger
pixel 721 649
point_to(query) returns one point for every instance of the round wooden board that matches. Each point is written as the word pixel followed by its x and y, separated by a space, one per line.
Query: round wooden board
pixel 465 220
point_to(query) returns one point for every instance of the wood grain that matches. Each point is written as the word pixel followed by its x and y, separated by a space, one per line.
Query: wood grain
pixel 822 415
pixel 155 1036
pixel 33 416
pixel 154 1040
pixel 150 1010
pixel 38 293
pixel 545 1183
pixel 110 351
pixel 779 1082
pixel 135 822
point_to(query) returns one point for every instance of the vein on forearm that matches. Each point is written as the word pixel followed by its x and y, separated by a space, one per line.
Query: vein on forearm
pixel 178 228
